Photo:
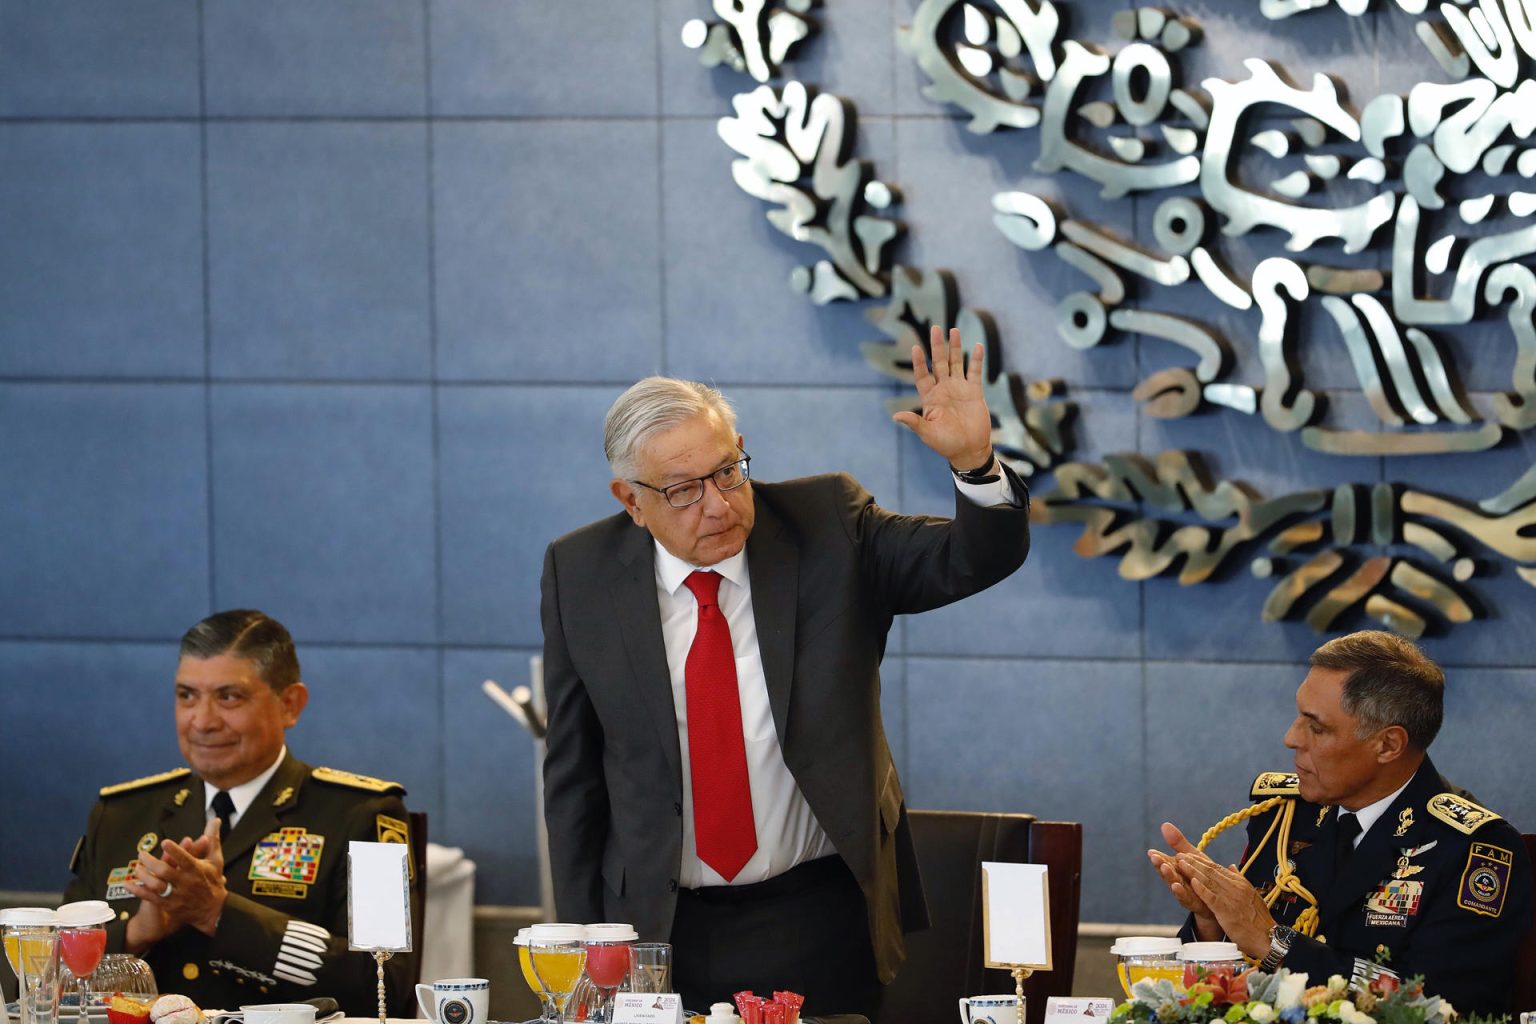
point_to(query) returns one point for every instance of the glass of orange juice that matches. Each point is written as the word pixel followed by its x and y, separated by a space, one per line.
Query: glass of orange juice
pixel 558 952
pixel 1139 957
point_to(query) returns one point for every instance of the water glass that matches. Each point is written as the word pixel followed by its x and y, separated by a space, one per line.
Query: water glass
pixel 30 936
pixel 650 967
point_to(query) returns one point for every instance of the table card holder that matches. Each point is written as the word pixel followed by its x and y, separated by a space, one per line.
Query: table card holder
pixel 1015 921
pixel 379 903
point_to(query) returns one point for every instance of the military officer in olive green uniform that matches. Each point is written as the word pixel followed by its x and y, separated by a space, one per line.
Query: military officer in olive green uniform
pixel 230 879
pixel 1364 862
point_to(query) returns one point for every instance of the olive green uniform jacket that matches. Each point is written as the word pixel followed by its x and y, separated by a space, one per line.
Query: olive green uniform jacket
pixel 283 933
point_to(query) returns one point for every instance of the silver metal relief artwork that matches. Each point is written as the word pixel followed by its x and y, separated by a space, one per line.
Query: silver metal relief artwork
pixel 1441 177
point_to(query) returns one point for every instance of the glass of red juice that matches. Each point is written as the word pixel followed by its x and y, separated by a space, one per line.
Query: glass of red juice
pixel 82 941
pixel 81 950
pixel 608 961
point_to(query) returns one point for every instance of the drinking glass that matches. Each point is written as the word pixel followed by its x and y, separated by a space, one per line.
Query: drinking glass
pixel 608 959
pixel 81 948
pixel 558 953
pixel 30 936
pixel 525 961
pixel 82 941
pixel 650 967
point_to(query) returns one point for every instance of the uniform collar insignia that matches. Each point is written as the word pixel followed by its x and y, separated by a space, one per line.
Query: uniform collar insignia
pixel 1404 822
pixel 1322 812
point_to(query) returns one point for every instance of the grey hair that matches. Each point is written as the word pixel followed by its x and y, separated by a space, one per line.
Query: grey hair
pixel 652 406
pixel 1391 682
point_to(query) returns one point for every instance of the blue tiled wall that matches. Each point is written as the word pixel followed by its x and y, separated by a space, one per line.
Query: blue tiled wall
pixel 316 306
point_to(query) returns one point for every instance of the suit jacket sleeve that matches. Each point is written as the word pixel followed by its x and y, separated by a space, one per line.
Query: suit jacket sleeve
pixel 575 794
pixel 312 959
pixel 923 562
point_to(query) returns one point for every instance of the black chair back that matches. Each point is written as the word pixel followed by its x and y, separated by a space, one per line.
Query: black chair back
pixel 946 961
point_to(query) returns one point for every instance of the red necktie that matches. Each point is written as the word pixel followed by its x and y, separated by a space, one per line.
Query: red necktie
pixel 717 754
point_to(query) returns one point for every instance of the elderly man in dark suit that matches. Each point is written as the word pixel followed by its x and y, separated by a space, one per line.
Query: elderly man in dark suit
pixel 717 771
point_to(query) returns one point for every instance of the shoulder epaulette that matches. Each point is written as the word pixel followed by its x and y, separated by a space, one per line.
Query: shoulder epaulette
pixel 1460 813
pixel 1276 784
pixel 145 782
pixel 337 777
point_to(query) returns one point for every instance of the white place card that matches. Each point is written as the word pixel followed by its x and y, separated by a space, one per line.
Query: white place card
pixel 647 1008
pixel 1015 913
pixel 1061 1010
pixel 379 896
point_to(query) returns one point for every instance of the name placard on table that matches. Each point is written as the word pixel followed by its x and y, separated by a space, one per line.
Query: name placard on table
pixel 647 1008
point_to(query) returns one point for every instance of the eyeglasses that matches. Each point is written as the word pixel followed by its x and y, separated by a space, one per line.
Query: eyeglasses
pixel 687 492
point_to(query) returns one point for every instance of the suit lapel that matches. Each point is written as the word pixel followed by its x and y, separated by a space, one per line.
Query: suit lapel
pixel 773 563
pixel 260 818
pixel 632 590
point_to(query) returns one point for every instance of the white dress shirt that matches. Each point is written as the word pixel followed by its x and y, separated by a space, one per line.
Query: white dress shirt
pixel 1370 813
pixel 242 795
pixel 787 831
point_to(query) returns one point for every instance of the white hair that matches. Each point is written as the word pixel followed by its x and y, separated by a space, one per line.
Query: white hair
pixel 652 406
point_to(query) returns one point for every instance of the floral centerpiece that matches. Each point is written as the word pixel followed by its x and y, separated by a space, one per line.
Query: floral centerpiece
pixel 1285 998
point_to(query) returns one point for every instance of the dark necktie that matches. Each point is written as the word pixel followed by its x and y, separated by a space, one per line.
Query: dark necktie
pixel 723 829
pixel 224 807
pixel 1349 828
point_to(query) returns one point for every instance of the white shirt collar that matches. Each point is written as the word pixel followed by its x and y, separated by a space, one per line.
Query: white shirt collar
pixel 1371 813
pixel 671 571
pixel 244 794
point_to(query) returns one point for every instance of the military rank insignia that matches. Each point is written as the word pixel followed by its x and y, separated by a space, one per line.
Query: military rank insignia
pixel 286 863
pixel 1404 822
pixel 1485 879
pixel 1275 784
pixel 1461 814
pixel 1393 903
pixel 393 830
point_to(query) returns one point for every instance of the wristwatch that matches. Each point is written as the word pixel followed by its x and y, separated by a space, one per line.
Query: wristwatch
pixel 1280 939
pixel 982 474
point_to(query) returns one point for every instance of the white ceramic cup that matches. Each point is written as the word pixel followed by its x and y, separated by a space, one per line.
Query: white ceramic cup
pixel 279 1013
pixel 456 1000
pixel 989 1009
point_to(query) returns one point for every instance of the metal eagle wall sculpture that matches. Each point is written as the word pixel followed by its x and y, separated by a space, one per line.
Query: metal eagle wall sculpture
pixel 1403 229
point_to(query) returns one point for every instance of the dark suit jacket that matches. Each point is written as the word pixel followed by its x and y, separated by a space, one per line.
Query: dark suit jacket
pixel 1448 901
pixel 829 569
pixel 265 948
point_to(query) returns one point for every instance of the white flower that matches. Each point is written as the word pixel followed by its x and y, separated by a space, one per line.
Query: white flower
pixel 1349 1015
pixel 1336 984
pixel 1447 1011
pixel 1261 1013
pixel 1291 988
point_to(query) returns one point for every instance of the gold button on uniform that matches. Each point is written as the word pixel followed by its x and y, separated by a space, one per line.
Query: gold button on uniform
pixel 189 971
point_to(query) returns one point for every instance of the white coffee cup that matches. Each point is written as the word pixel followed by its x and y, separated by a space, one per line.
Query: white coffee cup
pixel 456 1000
pixel 989 1009
pixel 279 1013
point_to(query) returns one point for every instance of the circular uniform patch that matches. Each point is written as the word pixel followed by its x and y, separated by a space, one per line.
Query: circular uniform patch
pixel 456 1011
pixel 1485 883
pixel 147 842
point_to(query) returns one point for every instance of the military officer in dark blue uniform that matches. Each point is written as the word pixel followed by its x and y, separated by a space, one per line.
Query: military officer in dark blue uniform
pixel 1364 861
pixel 230 878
